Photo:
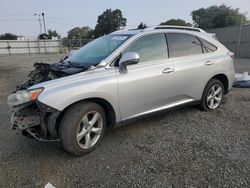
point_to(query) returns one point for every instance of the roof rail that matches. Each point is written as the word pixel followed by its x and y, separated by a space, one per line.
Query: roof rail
pixel 179 27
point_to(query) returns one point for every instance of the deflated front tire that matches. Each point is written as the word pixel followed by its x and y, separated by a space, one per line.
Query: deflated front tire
pixel 82 127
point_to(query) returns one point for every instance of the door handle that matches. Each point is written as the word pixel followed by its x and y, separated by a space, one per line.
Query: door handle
pixel 168 70
pixel 208 63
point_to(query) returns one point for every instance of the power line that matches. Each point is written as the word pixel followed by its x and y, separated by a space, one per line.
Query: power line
pixel 17 15
pixel 66 19
pixel 52 21
pixel 17 20
pixel 61 23
pixel 55 18
pixel 34 20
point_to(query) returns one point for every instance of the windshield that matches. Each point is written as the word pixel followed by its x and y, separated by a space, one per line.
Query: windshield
pixel 94 52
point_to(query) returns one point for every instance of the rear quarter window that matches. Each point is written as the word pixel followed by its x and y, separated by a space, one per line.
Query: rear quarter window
pixel 208 47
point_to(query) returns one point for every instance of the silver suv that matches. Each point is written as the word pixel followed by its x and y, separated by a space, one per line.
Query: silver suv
pixel 119 77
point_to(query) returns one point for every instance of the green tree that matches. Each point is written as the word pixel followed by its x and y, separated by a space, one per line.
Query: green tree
pixel 178 22
pixel 53 33
pixel 8 36
pixel 49 35
pixel 217 16
pixel 79 32
pixel 91 34
pixel 43 36
pixel 109 21
pixel 142 26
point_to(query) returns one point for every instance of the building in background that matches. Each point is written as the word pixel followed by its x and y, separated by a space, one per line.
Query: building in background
pixel 21 38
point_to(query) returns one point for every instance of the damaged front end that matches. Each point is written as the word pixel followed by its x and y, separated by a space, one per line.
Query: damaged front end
pixel 33 118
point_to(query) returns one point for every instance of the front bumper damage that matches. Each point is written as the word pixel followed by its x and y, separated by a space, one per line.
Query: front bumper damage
pixel 36 120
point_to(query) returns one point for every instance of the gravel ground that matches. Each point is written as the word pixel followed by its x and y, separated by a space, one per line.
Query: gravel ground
pixel 180 148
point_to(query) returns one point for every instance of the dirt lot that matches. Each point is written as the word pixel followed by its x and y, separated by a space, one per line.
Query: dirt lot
pixel 181 148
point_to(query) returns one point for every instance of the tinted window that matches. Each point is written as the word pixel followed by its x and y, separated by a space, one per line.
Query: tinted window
pixel 150 47
pixel 183 45
pixel 208 47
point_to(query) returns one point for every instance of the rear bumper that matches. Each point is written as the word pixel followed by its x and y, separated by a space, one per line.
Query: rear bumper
pixel 35 120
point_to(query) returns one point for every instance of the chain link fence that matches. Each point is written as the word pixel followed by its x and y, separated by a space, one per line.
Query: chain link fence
pixel 73 44
pixel 11 47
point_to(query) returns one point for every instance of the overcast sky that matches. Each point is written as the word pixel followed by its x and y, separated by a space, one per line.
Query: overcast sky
pixel 17 16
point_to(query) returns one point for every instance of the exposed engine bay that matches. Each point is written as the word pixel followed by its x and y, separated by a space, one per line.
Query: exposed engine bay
pixel 44 72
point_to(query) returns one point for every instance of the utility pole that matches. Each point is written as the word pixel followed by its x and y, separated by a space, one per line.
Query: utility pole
pixel 45 31
pixel 40 23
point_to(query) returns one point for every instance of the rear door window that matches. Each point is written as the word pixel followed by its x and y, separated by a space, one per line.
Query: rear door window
pixel 183 45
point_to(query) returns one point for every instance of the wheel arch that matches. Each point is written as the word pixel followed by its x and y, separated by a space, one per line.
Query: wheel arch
pixel 108 108
pixel 224 80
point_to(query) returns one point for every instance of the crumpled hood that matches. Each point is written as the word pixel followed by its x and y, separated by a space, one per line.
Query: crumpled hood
pixel 43 72
pixel 85 75
pixel 65 69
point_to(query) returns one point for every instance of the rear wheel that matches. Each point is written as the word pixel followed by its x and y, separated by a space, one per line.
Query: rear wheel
pixel 82 127
pixel 213 95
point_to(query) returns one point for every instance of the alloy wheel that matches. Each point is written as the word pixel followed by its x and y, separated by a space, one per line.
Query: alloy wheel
pixel 89 129
pixel 214 96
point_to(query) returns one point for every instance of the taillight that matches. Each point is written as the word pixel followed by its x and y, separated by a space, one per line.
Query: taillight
pixel 231 54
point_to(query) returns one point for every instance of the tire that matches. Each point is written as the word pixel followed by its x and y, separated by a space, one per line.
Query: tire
pixel 82 128
pixel 209 95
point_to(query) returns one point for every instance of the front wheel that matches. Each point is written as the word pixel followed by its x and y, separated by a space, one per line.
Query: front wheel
pixel 82 128
pixel 213 95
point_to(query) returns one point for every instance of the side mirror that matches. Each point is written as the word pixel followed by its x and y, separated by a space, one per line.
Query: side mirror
pixel 129 58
